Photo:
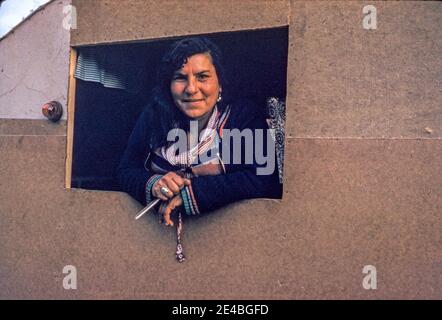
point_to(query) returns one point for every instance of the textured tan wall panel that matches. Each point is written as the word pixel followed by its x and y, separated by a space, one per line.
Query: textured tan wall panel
pixel 32 127
pixel 113 21
pixel 345 81
pixel 348 203
pixel 359 202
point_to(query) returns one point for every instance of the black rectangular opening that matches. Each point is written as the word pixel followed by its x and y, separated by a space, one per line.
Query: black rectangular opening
pixel 109 102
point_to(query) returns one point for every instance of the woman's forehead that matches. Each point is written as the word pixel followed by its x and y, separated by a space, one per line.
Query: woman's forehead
pixel 197 63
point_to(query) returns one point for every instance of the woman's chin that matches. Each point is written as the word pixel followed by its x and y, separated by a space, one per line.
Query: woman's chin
pixel 194 115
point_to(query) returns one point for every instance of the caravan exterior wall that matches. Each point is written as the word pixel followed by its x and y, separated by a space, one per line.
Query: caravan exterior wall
pixel 362 170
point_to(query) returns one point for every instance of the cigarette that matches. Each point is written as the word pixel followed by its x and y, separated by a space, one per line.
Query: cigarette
pixel 147 208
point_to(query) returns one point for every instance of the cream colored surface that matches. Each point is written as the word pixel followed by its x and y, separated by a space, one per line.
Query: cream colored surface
pixel 362 177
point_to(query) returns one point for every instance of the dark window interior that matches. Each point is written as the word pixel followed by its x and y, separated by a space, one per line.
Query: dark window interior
pixel 256 66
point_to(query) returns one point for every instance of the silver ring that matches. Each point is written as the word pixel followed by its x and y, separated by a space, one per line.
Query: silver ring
pixel 165 190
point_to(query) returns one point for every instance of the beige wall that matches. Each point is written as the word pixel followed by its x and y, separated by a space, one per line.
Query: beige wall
pixel 345 81
pixel 115 21
pixel 362 175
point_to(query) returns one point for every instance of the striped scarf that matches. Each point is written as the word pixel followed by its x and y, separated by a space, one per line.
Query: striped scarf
pixel 208 138
pixel 186 159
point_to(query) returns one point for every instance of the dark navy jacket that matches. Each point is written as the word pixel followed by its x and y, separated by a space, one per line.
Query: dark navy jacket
pixel 210 192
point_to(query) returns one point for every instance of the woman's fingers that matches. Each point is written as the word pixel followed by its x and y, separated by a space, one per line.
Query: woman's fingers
pixel 167 213
pixel 156 191
pixel 171 181
pixel 167 208
pixel 179 180
pixel 171 185
pixel 161 210
pixel 161 186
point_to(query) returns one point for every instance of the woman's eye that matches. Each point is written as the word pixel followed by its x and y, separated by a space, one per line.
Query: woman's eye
pixel 179 78
pixel 202 76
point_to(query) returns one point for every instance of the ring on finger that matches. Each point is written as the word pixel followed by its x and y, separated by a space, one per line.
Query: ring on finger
pixel 165 190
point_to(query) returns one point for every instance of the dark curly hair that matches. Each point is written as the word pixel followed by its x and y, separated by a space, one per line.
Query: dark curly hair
pixel 162 108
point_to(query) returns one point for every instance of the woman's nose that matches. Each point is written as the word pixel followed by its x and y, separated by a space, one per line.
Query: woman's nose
pixel 191 87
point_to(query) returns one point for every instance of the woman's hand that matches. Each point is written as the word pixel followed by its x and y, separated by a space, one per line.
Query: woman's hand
pixel 172 199
pixel 166 208
pixel 171 181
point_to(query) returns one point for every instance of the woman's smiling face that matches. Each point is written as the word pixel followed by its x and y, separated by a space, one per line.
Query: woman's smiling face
pixel 195 87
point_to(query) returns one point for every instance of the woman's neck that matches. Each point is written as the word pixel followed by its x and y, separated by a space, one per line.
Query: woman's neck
pixel 202 122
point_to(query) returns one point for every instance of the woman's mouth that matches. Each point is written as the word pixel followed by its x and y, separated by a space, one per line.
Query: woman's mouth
pixel 192 101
